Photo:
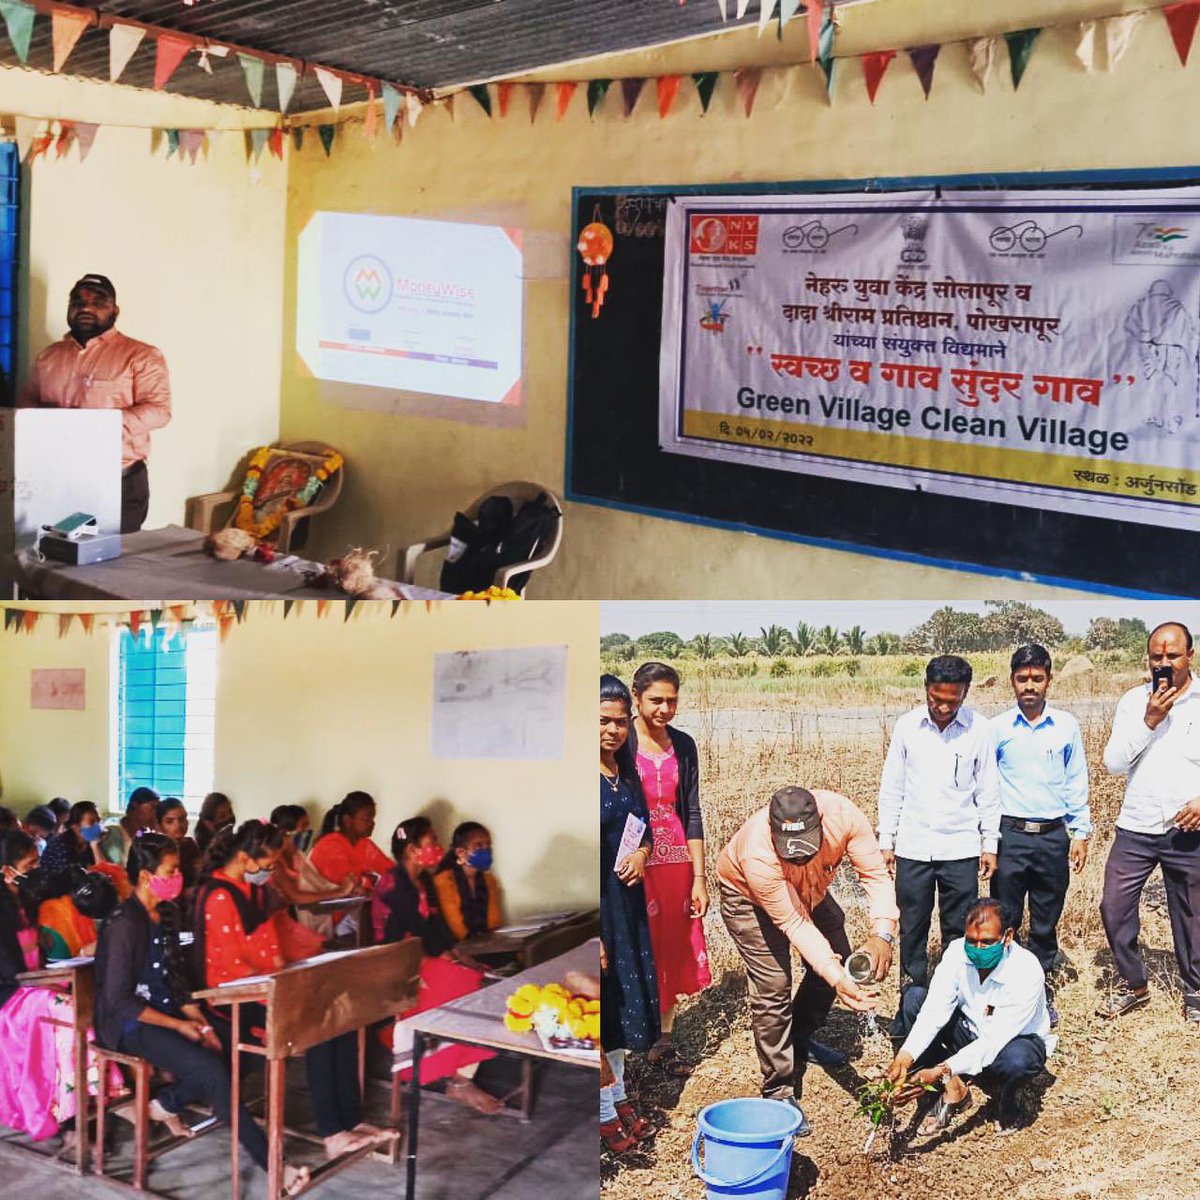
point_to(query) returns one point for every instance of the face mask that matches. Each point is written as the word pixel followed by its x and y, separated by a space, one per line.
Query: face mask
pixel 40 843
pixel 430 856
pixel 91 833
pixel 985 957
pixel 481 859
pixel 166 887
pixel 261 876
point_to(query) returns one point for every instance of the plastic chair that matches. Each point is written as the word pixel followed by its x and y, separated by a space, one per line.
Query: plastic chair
pixel 205 510
pixel 518 492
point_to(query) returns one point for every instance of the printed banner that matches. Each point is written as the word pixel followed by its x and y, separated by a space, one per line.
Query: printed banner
pixel 1036 348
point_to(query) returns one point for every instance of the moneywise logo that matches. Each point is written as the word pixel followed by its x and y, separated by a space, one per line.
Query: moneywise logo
pixel 368 283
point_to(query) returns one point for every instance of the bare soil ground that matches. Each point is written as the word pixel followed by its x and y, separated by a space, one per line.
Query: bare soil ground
pixel 1113 1116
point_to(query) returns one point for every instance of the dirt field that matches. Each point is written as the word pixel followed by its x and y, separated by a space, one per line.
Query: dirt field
pixel 1113 1116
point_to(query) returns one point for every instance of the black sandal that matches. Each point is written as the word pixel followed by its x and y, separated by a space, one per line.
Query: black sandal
pixel 941 1113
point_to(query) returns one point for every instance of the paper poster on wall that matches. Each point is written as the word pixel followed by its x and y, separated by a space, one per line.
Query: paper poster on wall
pixel 500 703
pixel 62 688
pixel 1035 348
pixel 412 305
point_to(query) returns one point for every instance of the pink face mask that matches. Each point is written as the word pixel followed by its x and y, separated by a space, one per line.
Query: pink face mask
pixel 430 856
pixel 167 887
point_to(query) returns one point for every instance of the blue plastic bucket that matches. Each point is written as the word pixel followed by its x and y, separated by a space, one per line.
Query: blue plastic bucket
pixel 747 1148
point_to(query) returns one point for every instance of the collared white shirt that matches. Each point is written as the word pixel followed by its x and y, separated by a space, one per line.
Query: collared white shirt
pixel 939 796
pixel 1043 768
pixel 1163 764
pixel 1010 1002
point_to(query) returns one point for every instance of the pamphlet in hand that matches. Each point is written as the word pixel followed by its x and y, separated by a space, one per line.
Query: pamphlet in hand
pixel 631 839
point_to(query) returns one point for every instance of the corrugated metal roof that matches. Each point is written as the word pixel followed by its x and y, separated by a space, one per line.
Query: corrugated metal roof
pixel 425 43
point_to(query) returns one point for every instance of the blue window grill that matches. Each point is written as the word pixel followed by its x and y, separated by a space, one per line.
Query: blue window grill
pixel 10 191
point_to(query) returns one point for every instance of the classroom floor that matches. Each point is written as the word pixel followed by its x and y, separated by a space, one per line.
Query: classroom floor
pixel 463 1155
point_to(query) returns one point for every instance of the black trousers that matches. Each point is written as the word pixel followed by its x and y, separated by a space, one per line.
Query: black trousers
pixel 201 1075
pixel 135 497
pixel 1130 862
pixel 1021 1059
pixel 1033 866
pixel 956 882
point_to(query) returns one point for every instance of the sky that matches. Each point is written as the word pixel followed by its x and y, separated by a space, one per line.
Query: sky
pixel 690 617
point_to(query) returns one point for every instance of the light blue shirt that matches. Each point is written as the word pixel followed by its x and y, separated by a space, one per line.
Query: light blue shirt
pixel 1043 769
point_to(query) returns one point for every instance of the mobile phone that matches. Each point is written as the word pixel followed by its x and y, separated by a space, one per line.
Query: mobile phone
pixel 1159 675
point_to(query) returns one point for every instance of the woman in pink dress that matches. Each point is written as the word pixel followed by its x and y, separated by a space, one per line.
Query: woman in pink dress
pixel 676 894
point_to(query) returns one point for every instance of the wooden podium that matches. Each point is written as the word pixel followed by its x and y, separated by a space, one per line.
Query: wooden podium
pixel 54 462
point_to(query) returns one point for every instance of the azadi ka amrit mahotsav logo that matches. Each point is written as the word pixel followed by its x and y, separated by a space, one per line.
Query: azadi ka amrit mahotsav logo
pixel 368 284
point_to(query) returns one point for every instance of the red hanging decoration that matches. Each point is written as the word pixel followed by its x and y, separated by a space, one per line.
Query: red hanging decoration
pixel 595 248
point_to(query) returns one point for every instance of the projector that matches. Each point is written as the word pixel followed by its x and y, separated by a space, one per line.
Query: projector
pixel 81 549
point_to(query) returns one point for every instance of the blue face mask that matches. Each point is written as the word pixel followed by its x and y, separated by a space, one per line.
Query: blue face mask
pixel 262 876
pixel 480 859
pixel 91 833
pixel 40 843
pixel 985 957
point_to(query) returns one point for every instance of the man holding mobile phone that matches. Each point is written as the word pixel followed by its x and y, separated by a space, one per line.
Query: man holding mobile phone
pixel 1155 741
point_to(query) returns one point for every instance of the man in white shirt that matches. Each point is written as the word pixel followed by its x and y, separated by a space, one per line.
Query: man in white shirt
pixel 1155 741
pixel 939 812
pixel 984 1011
pixel 1045 820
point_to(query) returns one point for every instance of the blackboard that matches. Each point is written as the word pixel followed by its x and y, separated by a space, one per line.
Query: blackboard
pixel 614 459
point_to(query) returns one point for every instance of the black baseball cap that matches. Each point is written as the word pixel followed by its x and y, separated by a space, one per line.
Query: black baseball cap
pixel 795 823
pixel 100 283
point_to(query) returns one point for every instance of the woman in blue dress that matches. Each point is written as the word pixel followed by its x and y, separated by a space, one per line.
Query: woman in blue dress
pixel 629 1012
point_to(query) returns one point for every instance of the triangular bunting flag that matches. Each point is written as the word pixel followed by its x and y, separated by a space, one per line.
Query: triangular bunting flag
pixel 667 87
pixel 64 624
pixel 535 92
pixel 766 10
pixel 135 621
pixel 179 611
pixel 597 90
pixel 1181 21
pixel 18 18
pixel 26 128
pixel 742 5
pixel 322 608
pixel 350 605
pixel 448 104
pixel 706 82
pixel 724 7
pixel 12 617
pixel 252 69
pixel 923 59
pixel 1020 47
pixel 86 619
pixel 156 615
pixel 483 96
pixel 631 89
pixel 813 18
pixel 787 10
pixel 287 604
pixel 41 144
pixel 562 94
pixel 982 53
pixel 66 26
pixel 192 142
pixel 298 136
pixel 285 83
pixel 825 48
pixel 371 116
pixel 391 105
pixel 1118 33
pixel 225 624
pixel 746 81
pixel 30 620
pixel 85 135
pixel 327 133
pixel 213 49
pixel 257 141
pixel 504 93
pixel 168 55
pixel 172 141
pixel 1085 44
pixel 875 66
pixel 123 40
pixel 412 107
pixel 395 605
pixel 275 142
pixel 332 85
pixel 239 608
pixel 66 135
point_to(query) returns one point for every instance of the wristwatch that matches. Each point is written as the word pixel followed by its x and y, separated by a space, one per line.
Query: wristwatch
pixel 885 936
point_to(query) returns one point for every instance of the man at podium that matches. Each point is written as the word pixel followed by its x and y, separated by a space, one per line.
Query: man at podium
pixel 95 366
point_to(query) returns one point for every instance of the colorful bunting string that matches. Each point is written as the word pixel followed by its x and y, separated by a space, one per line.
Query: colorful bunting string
pixel 923 59
pixel 874 67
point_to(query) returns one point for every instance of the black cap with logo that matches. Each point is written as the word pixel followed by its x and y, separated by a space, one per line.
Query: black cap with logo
pixel 795 823
pixel 99 283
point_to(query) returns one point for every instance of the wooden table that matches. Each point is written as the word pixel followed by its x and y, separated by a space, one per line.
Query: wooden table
pixel 170 564
pixel 478 1020
pixel 339 907
pixel 77 977
pixel 533 946
pixel 307 1003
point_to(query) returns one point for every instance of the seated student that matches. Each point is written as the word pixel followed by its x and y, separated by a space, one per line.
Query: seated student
pixel 37 1084
pixel 467 891
pixel 297 880
pixel 985 1010
pixel 411 912
pixel 345 846
pixel 144 1005
pixel 61 808
pixel 416 837
pixel 68 904
pixel 236 937
pixel 171 820
pixel 41 824
pixel 78 843
pixel 140 813
pixel 216 813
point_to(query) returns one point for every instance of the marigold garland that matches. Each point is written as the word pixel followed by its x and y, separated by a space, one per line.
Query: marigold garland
pixel 244 517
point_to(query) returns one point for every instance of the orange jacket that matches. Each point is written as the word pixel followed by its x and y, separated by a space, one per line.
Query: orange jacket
pixel 450 902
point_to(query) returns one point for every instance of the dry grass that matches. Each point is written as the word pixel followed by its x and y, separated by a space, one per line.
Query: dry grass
pixel 1115 1120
